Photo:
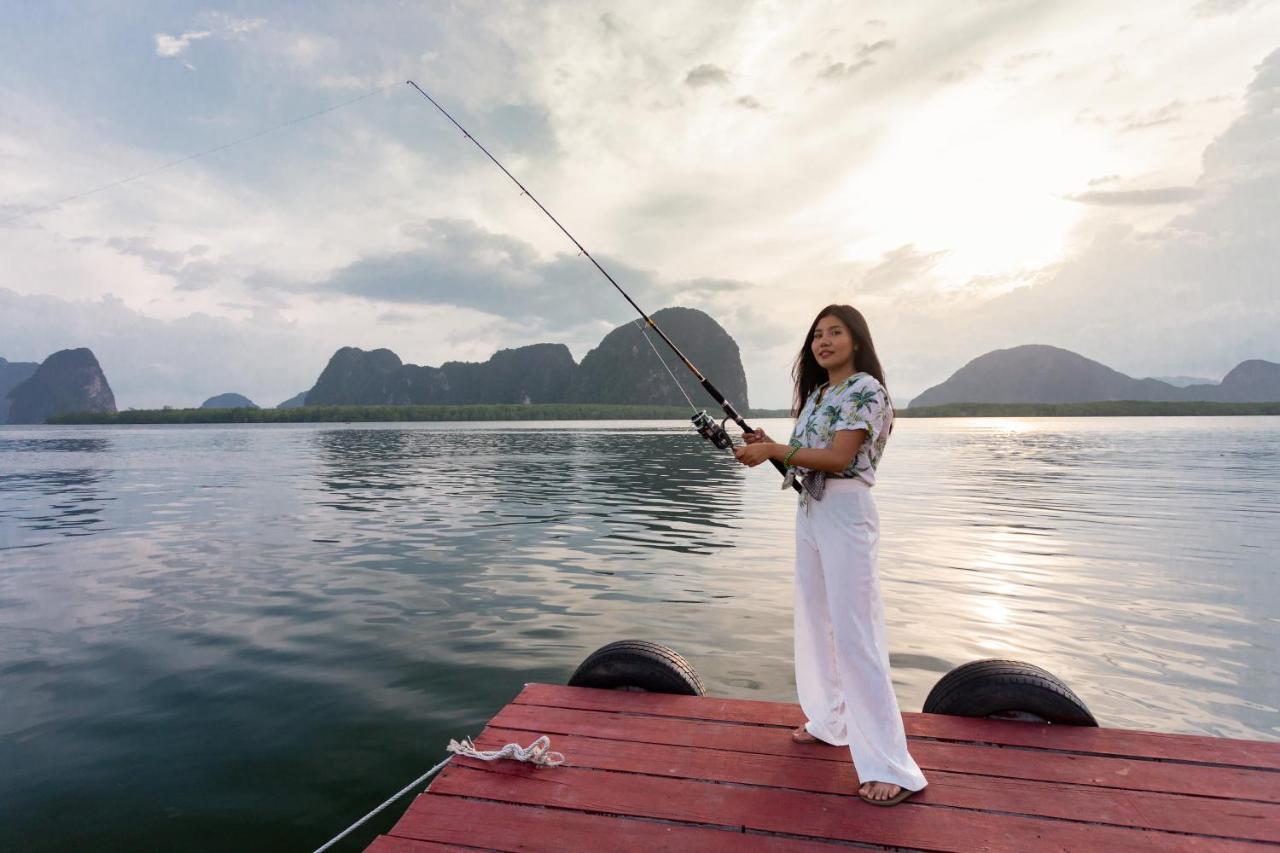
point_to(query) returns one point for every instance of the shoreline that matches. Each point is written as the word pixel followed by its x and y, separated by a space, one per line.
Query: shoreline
pixel 603 412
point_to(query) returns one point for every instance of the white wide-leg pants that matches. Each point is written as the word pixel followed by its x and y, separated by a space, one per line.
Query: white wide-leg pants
pixel 842 655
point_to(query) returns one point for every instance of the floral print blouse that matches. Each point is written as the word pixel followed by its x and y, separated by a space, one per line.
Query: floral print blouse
pixel 859 402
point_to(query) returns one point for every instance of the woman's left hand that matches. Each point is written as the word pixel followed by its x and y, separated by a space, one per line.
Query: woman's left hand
pixel 754 454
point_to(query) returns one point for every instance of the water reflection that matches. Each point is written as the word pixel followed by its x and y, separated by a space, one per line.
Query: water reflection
pixel 53 445
pixel 299 613
pixel 65 502
pixel 62 497
pixel 531 544
pixel 649 489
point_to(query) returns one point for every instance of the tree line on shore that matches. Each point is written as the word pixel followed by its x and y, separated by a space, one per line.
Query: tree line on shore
pixel 599 412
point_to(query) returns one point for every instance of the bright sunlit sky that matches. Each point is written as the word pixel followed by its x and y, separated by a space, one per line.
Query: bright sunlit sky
pixel 1100 176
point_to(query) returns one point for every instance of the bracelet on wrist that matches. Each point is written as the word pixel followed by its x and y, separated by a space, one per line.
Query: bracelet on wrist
pixel 787 459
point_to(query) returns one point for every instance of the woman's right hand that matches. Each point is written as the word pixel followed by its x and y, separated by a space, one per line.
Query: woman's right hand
pixel 756 436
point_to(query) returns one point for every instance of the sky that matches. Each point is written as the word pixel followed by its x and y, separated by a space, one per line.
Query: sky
pixel 1098 176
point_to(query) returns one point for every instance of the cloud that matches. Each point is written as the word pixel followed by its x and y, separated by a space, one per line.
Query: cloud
pixel 458 263
pixel 396 318
pixel 1157 195
pixel 1210 8
pixel 864 57
pixel 216 25
pixel 1026 57
pixel 236 27
pixel 898 269
pixel 305 50
pixel 706 75
pixel 841 70
pixel 868 50
pixel 162 260
pixel 748 102
pixel 191 268
pixel 1136 120
pixel 964 72
pixel 705 285
pixel 170 46
pixel 1166 114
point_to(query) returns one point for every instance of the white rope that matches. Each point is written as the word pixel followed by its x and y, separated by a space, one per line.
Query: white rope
pixel 539 752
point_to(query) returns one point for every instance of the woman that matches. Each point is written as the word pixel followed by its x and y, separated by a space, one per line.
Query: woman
pixel 843 419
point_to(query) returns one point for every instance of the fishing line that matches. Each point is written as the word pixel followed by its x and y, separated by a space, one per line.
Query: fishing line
pixel 649 340
pixel 197 155
pixel 704 423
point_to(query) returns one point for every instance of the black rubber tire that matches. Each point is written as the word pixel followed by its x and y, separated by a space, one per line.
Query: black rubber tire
pixel 638 665
pixel 1007 689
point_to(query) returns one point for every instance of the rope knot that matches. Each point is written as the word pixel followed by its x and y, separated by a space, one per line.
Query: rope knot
pixel 539 752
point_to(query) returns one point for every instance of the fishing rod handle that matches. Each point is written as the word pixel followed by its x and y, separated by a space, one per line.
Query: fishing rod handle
pixel 782 469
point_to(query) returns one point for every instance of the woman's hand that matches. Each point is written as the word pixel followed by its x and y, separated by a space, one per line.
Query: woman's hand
pixel 756 436
pixel 756 452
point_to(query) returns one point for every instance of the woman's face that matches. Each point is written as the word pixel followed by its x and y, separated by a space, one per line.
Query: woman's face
pixel 832 343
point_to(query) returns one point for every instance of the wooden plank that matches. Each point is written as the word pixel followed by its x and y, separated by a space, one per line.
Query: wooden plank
pixel 390 844
pixel 1047 766
pixel 1129 743
pixel 1107 741
pixel 1140 809
pixel 662 704
pixel 1106 771
pixel 822 816
pixel 504 826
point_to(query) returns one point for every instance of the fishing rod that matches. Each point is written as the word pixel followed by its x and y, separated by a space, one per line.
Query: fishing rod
pixel 706 425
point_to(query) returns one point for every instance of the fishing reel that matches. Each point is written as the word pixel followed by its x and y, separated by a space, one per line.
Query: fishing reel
pixel 712 431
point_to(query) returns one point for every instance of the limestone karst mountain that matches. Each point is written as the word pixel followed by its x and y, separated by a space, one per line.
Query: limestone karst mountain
pixel 296 401
pixel 624 368
pixel 12 374
pixel 70 380
pixel 1035 373
pixel 229 401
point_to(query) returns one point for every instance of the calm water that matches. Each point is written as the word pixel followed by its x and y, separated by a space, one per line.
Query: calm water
pixel 228 637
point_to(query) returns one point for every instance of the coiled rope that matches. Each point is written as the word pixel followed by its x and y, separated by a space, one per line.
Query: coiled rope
pixel 539 753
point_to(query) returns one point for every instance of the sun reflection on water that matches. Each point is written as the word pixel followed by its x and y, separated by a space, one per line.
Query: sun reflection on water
pixel 999 425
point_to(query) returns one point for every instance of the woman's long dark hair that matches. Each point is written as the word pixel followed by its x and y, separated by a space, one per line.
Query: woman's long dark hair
pixel 808 374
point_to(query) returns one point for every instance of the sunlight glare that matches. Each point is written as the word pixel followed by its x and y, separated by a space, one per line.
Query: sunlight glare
pixel 1010 425
pixel 951 176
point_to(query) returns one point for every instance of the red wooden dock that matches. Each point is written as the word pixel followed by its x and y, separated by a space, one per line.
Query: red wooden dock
pixel 650 771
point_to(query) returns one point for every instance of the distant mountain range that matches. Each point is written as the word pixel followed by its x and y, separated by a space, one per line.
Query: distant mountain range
pixel 1036 373
pixel 622 369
